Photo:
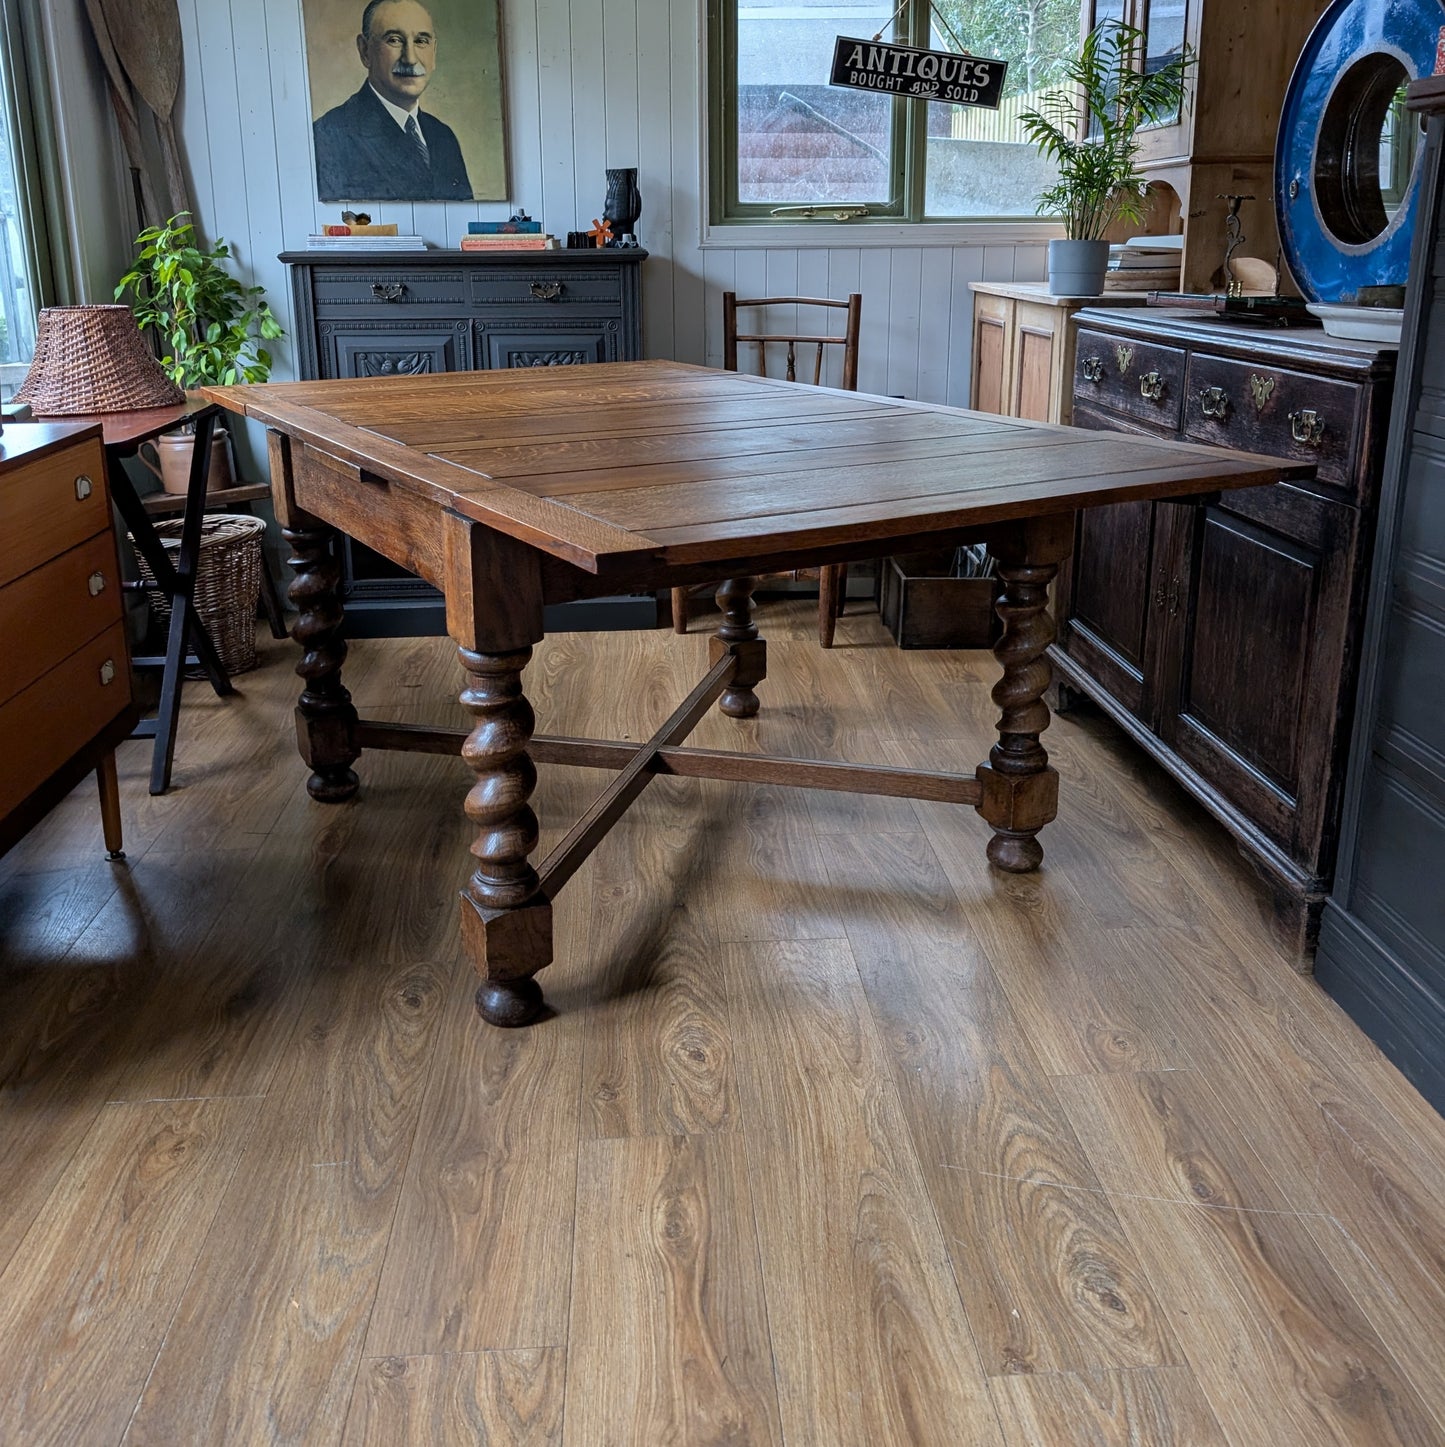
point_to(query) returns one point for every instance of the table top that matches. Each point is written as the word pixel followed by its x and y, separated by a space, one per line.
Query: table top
pixel 598 464
pixel 127 430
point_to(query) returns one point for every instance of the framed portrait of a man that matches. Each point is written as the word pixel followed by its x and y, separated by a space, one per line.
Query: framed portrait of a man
pixel 406 99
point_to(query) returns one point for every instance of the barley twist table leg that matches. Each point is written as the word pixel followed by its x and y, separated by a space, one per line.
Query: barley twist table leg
pixel 506 923
pixel 1020 789
pixel 325 718
pixel 738 634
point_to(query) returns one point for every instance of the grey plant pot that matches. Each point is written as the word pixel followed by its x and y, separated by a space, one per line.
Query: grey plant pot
pixel 1077 268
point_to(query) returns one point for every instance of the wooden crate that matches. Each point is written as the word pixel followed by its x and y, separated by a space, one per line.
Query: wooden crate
pixel 923 607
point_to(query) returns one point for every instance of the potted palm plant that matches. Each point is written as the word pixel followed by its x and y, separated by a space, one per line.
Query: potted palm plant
pixel 1090 129
pixel 210 328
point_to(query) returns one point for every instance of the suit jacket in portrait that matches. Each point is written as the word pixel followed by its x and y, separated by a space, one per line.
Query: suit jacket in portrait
pixel 363 155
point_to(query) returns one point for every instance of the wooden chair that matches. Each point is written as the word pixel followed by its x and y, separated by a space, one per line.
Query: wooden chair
pixel 833 577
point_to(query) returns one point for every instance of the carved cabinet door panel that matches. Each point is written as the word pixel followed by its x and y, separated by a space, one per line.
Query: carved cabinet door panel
pixel 1262 631
pixel 527 343
pixel 389 349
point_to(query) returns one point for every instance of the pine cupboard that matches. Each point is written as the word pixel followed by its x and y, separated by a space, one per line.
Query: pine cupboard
pixel 1224 635
pixel 1023 348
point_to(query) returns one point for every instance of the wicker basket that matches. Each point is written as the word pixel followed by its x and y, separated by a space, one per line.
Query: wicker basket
pixel 228 582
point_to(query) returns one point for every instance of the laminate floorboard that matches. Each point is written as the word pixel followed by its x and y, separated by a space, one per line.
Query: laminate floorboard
pixel 462 1399
pixel 835 1136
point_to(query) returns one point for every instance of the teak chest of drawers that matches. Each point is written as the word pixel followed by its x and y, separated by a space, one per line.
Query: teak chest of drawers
pixel 65 691
pixel 1224 637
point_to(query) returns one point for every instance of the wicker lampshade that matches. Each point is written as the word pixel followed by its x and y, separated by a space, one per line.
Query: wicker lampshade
pixel 93 359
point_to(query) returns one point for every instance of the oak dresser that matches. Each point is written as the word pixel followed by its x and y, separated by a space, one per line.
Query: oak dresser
pixel 1224 637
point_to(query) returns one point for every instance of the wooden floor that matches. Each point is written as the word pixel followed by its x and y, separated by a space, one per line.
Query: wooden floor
pixel 836 1137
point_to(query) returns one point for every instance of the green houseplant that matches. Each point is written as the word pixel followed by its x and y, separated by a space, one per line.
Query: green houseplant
pixel 1090 129
pixel 211 328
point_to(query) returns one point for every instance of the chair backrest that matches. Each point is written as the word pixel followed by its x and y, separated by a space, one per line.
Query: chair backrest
pixel 848 341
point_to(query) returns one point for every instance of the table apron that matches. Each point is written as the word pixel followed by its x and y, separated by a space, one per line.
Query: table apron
pixel 390 520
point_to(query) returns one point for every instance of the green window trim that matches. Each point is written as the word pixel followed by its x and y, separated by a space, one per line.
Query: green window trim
pixel 907 204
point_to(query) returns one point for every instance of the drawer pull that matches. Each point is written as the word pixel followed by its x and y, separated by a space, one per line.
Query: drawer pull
pixel 1214 402
pixel 1307 427
pixel 1093 369
pixel 546 290
pixel 1151 386
pixel 83 488
pixel 107 672
pixel 96 584
pixel 388 290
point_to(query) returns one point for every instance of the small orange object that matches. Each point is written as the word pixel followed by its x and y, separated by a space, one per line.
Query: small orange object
pixel 601 232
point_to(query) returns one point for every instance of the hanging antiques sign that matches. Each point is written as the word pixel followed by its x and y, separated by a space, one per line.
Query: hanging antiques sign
pixel 941 75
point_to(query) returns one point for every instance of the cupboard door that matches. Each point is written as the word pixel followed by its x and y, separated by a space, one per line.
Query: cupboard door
pixel 992 323
pixel 1110 600
pixel 1035 374
pixel 1261 646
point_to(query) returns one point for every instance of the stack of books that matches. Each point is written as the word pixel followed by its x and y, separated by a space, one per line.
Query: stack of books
pixel 377 236
pixel 1145 263
pixel 516 235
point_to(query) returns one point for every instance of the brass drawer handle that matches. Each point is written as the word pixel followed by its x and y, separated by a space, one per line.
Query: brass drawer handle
pixel 96 584
pixel 1307 427
pixel 1151 386
pixel 546 290
pixel 107 672
pixel 1214 402
pixel 388 290
pixel 1093 369
pixel 83 488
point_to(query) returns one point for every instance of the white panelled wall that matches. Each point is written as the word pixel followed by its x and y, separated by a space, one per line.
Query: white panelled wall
pixel 591 84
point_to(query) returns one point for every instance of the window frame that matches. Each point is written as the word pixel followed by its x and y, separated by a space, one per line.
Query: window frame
pixel 729 222
pixel 30 122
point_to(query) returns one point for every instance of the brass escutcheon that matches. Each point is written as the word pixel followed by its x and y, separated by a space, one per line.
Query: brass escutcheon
pixel 1263 389
pixel 1125 358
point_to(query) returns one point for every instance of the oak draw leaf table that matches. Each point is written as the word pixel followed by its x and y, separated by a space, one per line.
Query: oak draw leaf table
pixel 509 490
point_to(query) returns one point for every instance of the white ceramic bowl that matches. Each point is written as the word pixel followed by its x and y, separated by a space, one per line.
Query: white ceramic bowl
pixel 1359 323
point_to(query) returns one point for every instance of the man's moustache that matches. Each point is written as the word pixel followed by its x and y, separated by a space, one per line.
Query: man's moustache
pixel 408 68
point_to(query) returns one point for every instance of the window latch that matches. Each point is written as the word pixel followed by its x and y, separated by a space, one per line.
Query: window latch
pixel 831 213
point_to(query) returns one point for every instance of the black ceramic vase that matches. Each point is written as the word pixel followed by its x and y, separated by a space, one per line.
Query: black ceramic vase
pixel 624 203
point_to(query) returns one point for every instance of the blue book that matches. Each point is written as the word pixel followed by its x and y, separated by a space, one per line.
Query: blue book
pixel 503 228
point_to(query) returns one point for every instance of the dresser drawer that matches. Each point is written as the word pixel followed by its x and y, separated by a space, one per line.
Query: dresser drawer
pixel 1276 412
pixel 49 505
pixel 49 722
pixel 544 287
pixel 353 288
pixel 1134 379
pixel 47 613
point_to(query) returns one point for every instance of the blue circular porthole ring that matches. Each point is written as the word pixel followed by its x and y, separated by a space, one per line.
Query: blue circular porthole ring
pixel 1330 266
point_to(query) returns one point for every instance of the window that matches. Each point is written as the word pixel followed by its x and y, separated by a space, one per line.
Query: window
pixel 787 146
pixel 23 275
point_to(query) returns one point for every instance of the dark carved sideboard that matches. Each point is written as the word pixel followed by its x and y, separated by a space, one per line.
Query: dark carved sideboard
pixel 379 314
pixel 1224 635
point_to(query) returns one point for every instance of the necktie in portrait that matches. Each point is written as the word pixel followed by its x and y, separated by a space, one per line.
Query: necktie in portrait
pixel 418 142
